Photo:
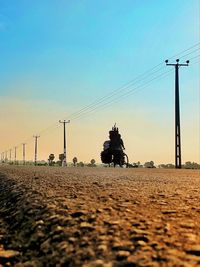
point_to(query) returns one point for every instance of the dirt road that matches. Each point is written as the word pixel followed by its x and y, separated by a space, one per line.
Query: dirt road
pixel 99 217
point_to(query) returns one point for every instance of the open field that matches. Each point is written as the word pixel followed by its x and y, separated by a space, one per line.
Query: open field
pixel 99 217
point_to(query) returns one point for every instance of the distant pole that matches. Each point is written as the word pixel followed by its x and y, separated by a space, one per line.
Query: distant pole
pixel 177 114
pixel 64 163
pixel 10 154
pixel 36 141
pixel 15 154
pixel 6 157
pixel 24 153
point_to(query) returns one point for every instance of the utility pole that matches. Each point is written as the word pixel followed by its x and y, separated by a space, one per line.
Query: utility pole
pixel 10 154
pixel 24 153
pixel 15 154
pixel 177 113
pixel 6 158
pixel 36 141
pixel 64 163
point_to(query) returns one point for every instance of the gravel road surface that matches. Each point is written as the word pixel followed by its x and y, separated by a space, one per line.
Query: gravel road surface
pixel 99 217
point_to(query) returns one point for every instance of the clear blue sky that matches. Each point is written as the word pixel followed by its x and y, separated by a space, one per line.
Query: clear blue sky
pixel 72 52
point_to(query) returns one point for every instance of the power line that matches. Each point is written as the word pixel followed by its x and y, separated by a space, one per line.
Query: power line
pixel 127 85
pixel 99 103
pixel 125 94
pixel 111 95
pixel 189 53
pixel 194 57
pixel 130 92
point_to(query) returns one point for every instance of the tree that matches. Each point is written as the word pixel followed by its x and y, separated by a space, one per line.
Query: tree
pixel 166 166
pixel 191 165
pixel 61 157
pixel 187 165
pixel 50 159
pixel 75 160
pixel 134 165
pixel 170 166
pixel 162 166
pixel 149 164
pixel 92 162
pixel 80 164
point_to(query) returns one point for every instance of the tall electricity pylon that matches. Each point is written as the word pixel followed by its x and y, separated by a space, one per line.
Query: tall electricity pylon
pixel 64 162
pixel 177 113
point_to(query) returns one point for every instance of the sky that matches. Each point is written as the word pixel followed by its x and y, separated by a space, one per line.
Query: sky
pixel 58 57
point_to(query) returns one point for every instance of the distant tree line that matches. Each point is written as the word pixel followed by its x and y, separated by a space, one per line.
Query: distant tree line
pixel 187 165
pixel 191 165
pixel 74 163
pixel 149 164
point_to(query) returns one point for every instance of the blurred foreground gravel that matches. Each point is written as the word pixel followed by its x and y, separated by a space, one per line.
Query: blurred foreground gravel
pixel 99 217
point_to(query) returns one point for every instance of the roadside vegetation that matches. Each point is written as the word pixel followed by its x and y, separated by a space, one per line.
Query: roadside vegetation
pixel 51 161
